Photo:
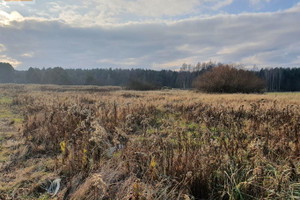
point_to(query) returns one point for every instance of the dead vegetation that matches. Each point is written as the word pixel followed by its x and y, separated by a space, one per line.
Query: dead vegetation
pixel 163 144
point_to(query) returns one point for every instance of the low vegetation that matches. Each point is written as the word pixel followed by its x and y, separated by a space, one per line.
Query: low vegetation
pixel 169 144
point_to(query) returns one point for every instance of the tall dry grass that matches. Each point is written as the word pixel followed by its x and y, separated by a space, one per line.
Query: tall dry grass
pixel 167 144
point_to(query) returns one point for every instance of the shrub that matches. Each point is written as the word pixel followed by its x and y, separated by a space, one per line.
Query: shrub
pixel 226 79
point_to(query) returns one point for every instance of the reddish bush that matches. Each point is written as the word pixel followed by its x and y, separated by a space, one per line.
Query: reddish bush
pixel 226 79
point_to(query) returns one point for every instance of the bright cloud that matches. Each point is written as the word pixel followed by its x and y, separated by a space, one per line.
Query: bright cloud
pixel 6 18
pixel 28 55
pixel 101 12
pixel 13 62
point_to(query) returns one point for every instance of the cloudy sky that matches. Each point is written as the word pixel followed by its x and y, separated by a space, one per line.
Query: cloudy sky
pixel 154 34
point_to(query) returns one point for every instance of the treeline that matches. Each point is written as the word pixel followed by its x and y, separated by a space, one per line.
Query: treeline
pixel 281 79
pixel 277 79
pixel 143 78
pixel 149 79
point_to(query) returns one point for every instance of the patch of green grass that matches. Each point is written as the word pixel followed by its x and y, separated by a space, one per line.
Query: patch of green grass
pixel 44 197
pixel 4 110
pixel 160 116
pixel 8 114
pixel 192 126
pixel 151 131
pixel 117 154
pixel 140 138
pixel 5 100
pixel 18 120
pixel 4 113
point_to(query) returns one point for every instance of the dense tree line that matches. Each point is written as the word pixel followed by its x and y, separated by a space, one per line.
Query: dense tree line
pixel 277 79
pixel 281 79
pixel 104 77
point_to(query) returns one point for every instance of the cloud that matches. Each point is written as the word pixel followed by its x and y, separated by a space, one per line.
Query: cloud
pixel 95 12
pixel 251 38
pixel 6 59
pixel 256 2
pixel 6 18
pixel 28 55
pixel 221 4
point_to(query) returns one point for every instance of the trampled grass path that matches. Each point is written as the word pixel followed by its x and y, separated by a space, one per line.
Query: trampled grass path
pixel 20 174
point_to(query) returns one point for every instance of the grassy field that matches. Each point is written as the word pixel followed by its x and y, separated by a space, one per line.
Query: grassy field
pixel 108 143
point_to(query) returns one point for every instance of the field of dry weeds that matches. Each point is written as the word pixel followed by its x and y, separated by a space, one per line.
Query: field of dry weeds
pixel 108 143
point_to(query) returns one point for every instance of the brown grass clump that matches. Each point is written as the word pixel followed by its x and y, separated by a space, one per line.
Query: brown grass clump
pixel 167 144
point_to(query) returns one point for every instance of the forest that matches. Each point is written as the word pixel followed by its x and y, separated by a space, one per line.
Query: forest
pixel 276 79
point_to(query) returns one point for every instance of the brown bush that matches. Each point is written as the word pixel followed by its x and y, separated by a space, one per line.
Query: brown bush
pixel 226 79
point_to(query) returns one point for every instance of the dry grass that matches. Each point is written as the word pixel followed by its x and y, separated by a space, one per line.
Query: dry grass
pixel 169 144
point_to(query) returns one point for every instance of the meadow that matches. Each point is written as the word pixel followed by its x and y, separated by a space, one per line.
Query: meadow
pixel 109 143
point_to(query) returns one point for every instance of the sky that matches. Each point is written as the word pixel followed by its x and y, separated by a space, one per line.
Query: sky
pixel 152 34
